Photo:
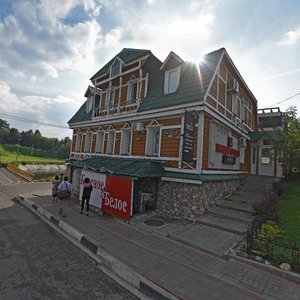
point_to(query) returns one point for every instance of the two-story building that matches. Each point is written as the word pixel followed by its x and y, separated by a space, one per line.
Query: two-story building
pixel 171 136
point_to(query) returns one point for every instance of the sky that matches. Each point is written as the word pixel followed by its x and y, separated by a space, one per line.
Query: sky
pixel 50 48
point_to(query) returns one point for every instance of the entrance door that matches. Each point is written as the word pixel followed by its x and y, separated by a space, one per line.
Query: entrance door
pixel 265 161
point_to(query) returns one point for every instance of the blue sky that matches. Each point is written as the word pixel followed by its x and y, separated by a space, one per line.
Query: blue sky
pixel 50 48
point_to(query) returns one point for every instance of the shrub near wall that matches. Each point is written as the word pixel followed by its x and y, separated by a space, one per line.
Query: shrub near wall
pixel 189 201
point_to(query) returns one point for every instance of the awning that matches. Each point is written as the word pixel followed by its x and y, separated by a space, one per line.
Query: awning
pixel 128 167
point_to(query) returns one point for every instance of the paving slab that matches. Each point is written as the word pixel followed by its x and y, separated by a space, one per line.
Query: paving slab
pixel 231 214
pixel 224 223
pixel 206 238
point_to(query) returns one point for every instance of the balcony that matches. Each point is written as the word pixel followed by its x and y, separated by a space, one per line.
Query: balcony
pixel 129 106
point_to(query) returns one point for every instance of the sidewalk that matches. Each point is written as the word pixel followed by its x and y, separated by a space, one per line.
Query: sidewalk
pixel 161 266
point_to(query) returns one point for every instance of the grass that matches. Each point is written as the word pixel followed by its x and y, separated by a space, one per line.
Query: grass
pixel 289 207
pixel 11 156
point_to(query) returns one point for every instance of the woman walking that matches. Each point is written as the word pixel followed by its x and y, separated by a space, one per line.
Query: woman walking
pixel 86 195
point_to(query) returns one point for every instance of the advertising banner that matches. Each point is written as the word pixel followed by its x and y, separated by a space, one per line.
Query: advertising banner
pixel 117 197
pixel 188 137
pixel 98 184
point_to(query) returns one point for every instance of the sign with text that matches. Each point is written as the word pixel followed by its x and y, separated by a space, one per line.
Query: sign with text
pixel 188 137
pixel 117 197
pixel 98 184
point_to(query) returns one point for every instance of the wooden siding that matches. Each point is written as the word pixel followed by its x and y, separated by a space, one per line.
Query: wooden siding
pixel 74 143
pixel 83 143
pixel 93 149
pixel 170 143
pixel 117 143
pixel 246 166
pixel 170 121
pixel 170 164
pixel 138 143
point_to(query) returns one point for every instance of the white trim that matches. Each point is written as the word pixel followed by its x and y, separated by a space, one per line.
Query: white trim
pixel 223 172
pixel 181 141
pixel 213 77
pixel 170 126
pixel 189 171
pixel 167 79
pixel 175 56
pixel 200 137
pixel 181 180
pixel 133 157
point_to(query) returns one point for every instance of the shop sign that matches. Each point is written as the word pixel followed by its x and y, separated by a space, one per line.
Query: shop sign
pixel 229 160
pixel 188 137
pixel 117 197
pixel 227 150
pixel 98 184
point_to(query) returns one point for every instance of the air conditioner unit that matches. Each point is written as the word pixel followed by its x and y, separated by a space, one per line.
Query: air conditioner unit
pixel 233 86
pixel 242 142
pixel 137 126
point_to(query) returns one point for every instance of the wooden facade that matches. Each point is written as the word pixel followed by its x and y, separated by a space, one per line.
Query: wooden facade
pixel 117 126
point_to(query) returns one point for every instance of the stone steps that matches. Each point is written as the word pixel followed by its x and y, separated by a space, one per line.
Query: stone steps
pixel 231 214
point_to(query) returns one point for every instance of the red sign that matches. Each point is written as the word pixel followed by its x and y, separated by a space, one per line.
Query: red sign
pixel 117 197
pixel 227 150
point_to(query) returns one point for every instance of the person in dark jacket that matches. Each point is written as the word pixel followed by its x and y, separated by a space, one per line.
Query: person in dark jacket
pixel 86 195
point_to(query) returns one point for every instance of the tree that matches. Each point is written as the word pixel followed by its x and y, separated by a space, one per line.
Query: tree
pixel 290 139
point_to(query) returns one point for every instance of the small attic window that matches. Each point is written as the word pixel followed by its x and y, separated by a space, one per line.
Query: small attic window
pixel 116 68
pixel 89 104
pixel 172 78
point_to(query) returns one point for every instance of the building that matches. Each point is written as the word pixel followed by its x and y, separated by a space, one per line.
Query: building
pixel 174 136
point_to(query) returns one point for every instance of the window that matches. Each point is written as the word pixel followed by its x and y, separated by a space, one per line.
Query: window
pixel 266 154
pixel 111 142
pixel 125 142
pixel 99 142
pixel 132 94
pixel 153 140
pixel 172 80
pixel 266 142
pixel 254 155
pixel 110 97
pixel 78 142
pixel 116 69
pixel 88 143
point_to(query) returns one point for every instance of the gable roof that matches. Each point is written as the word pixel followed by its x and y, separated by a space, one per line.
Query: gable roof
pixel 194 82
pixel 126 55
pixel 81 115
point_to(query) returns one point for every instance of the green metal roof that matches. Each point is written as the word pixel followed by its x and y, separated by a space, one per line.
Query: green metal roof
pixel 127 167
pixel 126 55
pixel 202 177
pixel 81 115
pixel 194 82
pixel 273 135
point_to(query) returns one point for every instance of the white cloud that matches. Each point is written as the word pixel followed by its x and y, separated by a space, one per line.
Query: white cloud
pixel 290 38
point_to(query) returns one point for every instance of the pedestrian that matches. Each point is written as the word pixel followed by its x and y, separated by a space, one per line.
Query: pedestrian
pixel 55 185
pixel 86 195
pixel 64 195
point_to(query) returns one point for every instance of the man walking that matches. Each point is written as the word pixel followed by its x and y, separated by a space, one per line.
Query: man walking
pixel 64 195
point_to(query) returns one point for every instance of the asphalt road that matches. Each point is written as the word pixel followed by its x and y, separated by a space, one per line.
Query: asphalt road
pixel 37 263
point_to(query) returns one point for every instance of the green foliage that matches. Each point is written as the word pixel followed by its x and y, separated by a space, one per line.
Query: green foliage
pixel 289 143
pixel 268 233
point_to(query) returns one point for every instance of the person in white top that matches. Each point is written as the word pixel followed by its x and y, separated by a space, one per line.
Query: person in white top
pixel 64 194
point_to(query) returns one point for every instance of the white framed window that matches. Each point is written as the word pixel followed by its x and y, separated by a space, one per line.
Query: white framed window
pixel 78 142
pixel 132 93
pixel 172 78
pixel 88 143
pixel 111 142
pixel 110 97
pixel 99 142
pixel 126 142
pixel 116 68
pixel 153 141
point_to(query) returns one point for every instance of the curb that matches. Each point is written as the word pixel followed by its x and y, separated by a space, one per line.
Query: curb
pixel 271 269
pixel 106 260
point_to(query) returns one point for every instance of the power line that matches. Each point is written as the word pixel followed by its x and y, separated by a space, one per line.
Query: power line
pixel 33 121
pixel 285 99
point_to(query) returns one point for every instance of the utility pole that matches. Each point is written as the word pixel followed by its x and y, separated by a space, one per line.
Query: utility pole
pixel 18 149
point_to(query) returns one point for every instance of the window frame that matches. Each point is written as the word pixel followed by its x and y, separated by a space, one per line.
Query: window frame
pixel 153 144
pixel 111 142
pixel 114 71
pixel 99 142
pixel 126 142
pixel 167 80
pixel 129 98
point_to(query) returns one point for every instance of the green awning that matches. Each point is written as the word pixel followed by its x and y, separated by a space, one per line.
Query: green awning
pixel 127 167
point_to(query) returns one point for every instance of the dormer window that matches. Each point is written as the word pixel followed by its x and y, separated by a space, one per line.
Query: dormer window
pixel 172 80
pixel 110 97
pixel 132 94
pixel 116 68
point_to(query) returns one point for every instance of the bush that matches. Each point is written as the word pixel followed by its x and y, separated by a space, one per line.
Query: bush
pixel 268 207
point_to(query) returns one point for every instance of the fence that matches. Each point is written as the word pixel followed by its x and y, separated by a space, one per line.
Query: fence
pixel 274 250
